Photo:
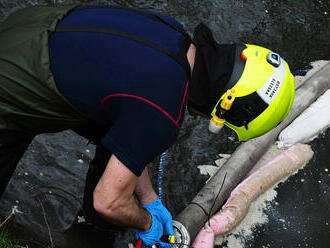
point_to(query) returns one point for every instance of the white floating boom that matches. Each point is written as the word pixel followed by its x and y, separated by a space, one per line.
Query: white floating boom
pixel 246 156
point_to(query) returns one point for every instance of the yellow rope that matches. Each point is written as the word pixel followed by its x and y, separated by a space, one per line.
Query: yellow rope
pixel 8 218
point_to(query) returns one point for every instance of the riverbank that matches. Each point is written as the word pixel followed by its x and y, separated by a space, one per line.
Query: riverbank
pixel 7 242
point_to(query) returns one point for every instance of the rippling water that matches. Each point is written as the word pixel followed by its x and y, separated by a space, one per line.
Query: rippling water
pixel 56 164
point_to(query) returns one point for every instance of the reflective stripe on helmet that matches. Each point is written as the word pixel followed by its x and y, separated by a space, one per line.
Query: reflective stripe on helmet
pixel 270 89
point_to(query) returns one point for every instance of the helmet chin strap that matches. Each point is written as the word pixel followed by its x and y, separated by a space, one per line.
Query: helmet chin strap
pixel 212 70
pixel 220 110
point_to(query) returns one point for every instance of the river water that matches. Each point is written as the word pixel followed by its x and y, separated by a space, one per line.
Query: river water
pixel 48 184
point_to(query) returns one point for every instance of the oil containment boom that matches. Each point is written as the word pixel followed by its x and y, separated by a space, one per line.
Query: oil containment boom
pixel 193 217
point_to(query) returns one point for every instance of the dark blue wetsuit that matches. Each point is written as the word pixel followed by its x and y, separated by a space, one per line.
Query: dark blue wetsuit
pixel 126 69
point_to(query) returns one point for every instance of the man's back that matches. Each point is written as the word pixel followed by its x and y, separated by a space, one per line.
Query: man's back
pixel 125 69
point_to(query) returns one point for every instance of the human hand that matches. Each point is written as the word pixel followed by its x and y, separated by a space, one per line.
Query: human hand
pixel 157 209
pixel 153 235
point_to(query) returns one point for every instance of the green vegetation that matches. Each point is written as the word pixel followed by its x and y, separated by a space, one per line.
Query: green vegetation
pixel 5 241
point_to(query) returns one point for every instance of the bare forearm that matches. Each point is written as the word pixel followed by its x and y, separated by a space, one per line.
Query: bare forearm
pixel 128 214
pixel 113 197
pixel 144 190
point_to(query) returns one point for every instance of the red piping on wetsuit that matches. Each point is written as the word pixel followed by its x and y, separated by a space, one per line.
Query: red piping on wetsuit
pixel 175 122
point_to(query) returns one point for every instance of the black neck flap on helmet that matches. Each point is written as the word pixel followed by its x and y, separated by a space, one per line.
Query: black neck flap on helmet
pixel 213 71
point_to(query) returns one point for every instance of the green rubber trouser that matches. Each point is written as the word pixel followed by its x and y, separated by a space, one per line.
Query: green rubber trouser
pixel 29 99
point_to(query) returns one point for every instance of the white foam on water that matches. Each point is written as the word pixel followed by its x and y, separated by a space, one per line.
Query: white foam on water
pixel 256 215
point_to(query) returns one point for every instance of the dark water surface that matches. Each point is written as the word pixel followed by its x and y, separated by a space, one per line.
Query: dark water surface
pixel 300 214
pixel 48 184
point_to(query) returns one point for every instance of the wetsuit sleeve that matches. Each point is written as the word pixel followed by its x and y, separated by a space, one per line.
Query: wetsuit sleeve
pixel 139 132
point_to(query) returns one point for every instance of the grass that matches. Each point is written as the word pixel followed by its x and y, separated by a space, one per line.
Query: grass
pixel 5 241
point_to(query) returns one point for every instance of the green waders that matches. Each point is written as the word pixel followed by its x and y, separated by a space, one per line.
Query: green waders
pixel 29 101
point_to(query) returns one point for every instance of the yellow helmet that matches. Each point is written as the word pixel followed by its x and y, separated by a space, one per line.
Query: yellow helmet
pixel 258 96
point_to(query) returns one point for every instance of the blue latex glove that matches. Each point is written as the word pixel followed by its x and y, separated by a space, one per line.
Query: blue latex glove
pixel 151 236
pixel 157 209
